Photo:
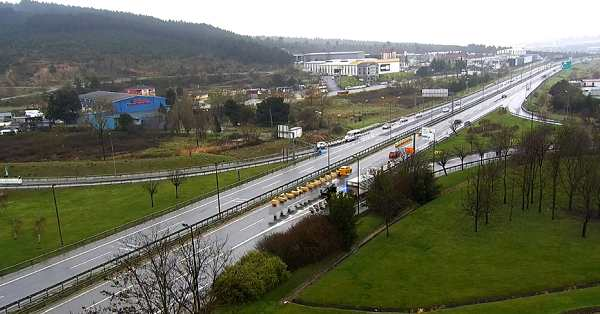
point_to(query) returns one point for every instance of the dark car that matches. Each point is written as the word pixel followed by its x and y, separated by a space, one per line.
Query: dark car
pixel 467 124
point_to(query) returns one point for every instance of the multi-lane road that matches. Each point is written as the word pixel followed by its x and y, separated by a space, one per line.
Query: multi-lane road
pixel 243 232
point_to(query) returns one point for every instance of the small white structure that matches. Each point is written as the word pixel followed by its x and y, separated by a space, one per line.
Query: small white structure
pixel 284 131
pixel 428 133
pixel 34 113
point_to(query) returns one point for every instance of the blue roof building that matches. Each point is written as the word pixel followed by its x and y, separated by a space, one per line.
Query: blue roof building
pixel 145 110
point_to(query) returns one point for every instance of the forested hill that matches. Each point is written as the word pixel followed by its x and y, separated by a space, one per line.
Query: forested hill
pixel 307 45
pixel 36 31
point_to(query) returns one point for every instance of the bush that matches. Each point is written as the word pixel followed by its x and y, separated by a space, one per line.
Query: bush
pixel 251 277
pixel 341 215
pixel 307 242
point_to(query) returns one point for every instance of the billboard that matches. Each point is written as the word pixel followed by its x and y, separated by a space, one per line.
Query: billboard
pixel 433 93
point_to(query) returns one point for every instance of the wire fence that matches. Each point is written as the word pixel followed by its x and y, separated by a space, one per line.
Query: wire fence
pixel 69 285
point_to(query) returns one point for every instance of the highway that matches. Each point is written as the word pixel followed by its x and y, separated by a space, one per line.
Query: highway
pixel 243 232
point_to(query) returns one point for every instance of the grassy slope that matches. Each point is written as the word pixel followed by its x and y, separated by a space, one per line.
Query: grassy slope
pixel 85 212
pixel 434 257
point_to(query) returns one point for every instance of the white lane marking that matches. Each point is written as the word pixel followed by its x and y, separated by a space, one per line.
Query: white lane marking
pixel 106 299
pixel 89 260
pixel 74 297
pixel 270 228
pixel 251 225
pixel 171 226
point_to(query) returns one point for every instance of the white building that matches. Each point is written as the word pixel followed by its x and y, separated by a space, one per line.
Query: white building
pixel 350 67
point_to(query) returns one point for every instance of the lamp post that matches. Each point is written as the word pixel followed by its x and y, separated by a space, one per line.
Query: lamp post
pixel 218 191
pixel 328 158
pixel 195 272
pixel 358 184
pixel 57 216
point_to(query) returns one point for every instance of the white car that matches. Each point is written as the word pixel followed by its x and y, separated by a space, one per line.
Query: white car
pixel 386 126
pixel 321 145
pixel 9 132
pixel 445 109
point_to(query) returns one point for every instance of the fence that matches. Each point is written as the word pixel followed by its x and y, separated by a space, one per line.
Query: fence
pixel 54 292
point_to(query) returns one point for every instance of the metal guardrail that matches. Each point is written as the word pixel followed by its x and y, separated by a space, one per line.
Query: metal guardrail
pixel 162 174
pixel 49 294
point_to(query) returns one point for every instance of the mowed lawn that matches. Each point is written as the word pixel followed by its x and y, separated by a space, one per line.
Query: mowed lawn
pixel 88 211
pixel 433 257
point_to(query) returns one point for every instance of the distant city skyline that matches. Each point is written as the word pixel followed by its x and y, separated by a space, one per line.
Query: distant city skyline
pixel 461 22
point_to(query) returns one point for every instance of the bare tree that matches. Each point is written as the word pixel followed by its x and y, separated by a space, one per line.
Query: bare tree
pixel 172 277
pixel 454 127
pixel 177 180
pixel 442 159
pixel 201 120
pixel 587 187
pixel 385 196
pixel 3 201
pixel 100 111
pixel 574 143
pixel 471 197
pixel 38 227
pixel 462 153
pixel 151 187
pixel 502 144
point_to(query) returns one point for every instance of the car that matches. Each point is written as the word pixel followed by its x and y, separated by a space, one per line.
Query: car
pixel 504 96
pixel 467 124
pixel 290 195
pixel 344 171
pixel 305 189
pixel 403 120
pixel 386 126
pixel 419 115
pixel 282 198
pixel 275 202
pixel 321 145
pixel 445 109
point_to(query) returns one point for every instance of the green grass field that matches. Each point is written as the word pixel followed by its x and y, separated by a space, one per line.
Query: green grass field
pixel 434 257
pixel 87 211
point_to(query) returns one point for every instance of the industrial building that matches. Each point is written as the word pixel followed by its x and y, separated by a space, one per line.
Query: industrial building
pixel 350 67
pixel 324 56
pixel 110 105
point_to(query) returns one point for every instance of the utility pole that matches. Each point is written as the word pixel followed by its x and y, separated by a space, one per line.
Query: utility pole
pixel 328 158
pixel 218 191
pixel 196 270
pixel 62 243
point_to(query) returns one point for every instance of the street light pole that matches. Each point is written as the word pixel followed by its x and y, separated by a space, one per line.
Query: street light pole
pixel 195 272
pixel 328 158
pixel 218 191
pixel 62 243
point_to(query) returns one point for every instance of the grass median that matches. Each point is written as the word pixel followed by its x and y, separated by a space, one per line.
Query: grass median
pixel 88 211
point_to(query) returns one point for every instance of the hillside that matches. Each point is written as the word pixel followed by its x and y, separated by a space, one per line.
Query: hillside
pixel 40 40
pixel 307 45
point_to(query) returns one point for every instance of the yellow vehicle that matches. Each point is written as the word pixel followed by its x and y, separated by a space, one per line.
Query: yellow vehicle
pixel 328 178
pixel 290 195
pixel 344 171
pixel 282 198
pixel 296 192
pixel 274 202
pixel 305 189
pixel 333 175
pixel 311 185
pixel 318 182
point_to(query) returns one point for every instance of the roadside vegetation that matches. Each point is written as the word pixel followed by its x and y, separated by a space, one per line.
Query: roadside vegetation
pixel 482 240
pixel 28 226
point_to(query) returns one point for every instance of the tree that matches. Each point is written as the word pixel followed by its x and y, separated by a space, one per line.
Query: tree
pixel 38 227
pixel 574 143
pixel 272 111
pixel 454 127
pixel 442 159
pixel 16 224
pixel 341 215
pixel 125 122
pixel 462 154
pixel 177 180
pixel 201 119
pixel 471 197
pixel 64 104
pixel 386 198
pixel 3 201
pixel 587 186
pixel 171 97
pixel 233 111
pixel 151 187
pixel 100 112
pixel 171 280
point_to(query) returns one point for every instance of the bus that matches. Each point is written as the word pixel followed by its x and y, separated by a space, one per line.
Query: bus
pixel 352 135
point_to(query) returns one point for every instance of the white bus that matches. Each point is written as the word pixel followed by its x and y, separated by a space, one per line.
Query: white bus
pixel 352 135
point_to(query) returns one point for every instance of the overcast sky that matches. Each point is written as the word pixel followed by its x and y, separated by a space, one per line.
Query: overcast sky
pixel 507 22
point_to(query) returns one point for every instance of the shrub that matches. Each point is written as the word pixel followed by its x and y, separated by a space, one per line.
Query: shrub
pixel 308 241
pixel 251 277
pixel 341 215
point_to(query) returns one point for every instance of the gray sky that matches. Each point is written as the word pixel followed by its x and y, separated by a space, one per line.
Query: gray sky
pixel 506 22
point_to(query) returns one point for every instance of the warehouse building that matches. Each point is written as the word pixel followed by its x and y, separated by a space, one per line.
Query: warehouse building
pixel 324 56
pixel 350 67
pixel 145 110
